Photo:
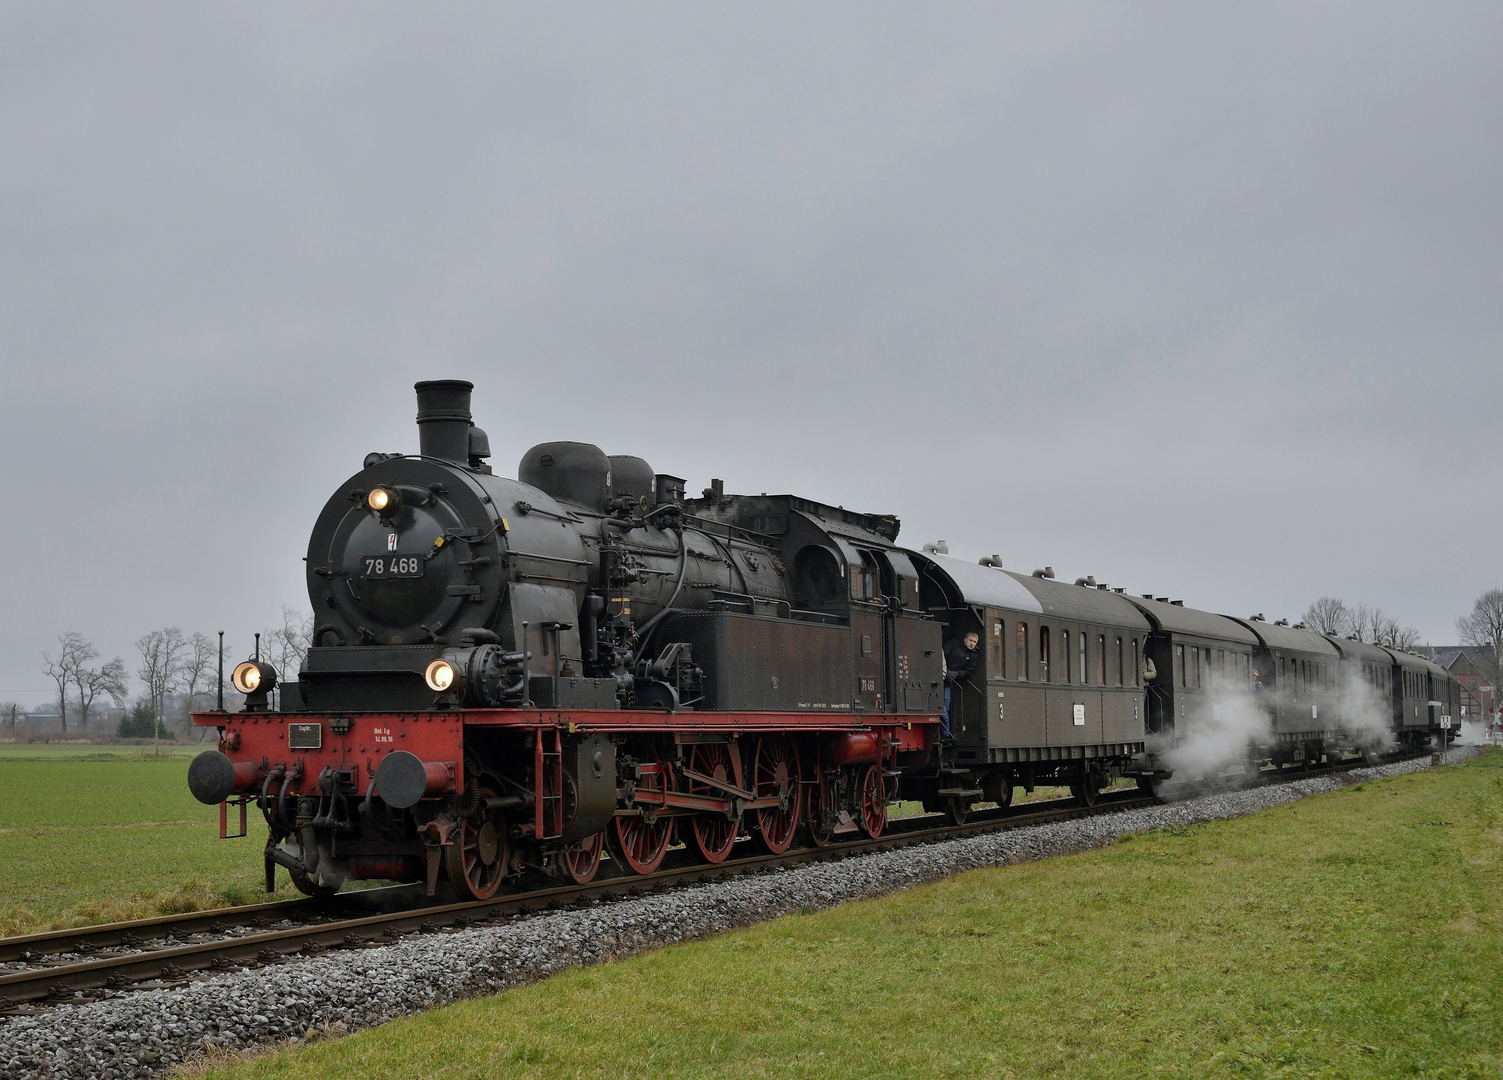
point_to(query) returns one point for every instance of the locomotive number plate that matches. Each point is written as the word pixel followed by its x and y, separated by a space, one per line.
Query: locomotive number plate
pixel 392 566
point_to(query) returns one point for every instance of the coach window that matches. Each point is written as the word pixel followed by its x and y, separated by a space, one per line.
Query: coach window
pixel 999 654
pixel 1101 658
pixel 1043 654
pixel 1179 665
pixel 1137 669
pixel 1064 647
pixel 1084 659
pixel 1022 652
pixel 1121 667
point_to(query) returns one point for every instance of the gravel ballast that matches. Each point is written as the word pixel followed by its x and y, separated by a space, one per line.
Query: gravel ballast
pixel 144 1033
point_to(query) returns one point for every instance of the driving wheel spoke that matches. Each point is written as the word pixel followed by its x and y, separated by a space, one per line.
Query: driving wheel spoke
pixel 476 860
pixel 714 833
pixel 777 777
pixel 873 801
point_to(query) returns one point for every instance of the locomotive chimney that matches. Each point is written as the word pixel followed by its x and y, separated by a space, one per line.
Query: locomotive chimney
pixel 444 419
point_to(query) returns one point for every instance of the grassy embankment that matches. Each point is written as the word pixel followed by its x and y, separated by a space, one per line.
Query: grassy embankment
pixel 1357 934
pixel 92 834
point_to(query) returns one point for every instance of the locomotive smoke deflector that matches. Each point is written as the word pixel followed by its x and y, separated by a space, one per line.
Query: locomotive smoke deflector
pixel 444 420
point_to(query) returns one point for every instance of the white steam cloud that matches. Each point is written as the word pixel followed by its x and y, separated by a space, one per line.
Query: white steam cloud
pixel 1365 715
pixel 1231 724
pixel 1231 721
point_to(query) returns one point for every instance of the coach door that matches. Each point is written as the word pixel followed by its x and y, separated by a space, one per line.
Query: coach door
pixel 913 640
pixel 870 682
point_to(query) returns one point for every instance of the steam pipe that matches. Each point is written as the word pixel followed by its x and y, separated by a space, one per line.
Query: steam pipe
pixel 683 571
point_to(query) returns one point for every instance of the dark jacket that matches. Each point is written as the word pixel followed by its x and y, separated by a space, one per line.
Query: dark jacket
pixel 959 661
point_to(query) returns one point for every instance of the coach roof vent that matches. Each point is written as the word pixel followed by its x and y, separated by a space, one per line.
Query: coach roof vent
pixel 1046 572
pixel 990 560
pixel 1088 581
pixel 443 419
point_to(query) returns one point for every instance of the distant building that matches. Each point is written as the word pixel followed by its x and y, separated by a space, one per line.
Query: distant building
pixel 1468 663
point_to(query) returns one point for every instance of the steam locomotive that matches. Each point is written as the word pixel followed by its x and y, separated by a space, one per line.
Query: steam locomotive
pixel 515 676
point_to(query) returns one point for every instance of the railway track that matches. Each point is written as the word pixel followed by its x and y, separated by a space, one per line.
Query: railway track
pixel 93 962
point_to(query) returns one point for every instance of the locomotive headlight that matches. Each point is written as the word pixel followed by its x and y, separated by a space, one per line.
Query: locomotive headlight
pixel 439 676
pixel 383 500
pixel 254 676
pixel 247 677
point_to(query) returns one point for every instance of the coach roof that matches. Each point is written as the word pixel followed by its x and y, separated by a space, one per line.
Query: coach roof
pixel 1361 651
pixel 1081 603
pixel 1290 639
pixel 1174 619
pixel 982 585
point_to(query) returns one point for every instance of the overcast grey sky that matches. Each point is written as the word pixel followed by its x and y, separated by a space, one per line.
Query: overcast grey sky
pixel 1203 299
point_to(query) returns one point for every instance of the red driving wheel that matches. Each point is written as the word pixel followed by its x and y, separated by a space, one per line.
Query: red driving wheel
pixel 476 860
pixel 776 777
pixel 873 801
pixel 714 833
pixel 580 862
pixel 638 846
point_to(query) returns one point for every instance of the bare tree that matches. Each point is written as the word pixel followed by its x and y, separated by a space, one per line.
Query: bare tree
pixel 1364 622
pixel 162 653
pixel 73 651
pixel 1389 632
pixel 10 711
pixel 1483 629
pixel 1328 615
pixel 288 644
pixel 110 679
pixel 200 664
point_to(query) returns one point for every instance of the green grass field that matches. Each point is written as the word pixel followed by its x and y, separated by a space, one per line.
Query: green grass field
pixel 1357 934
pixel 92 834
